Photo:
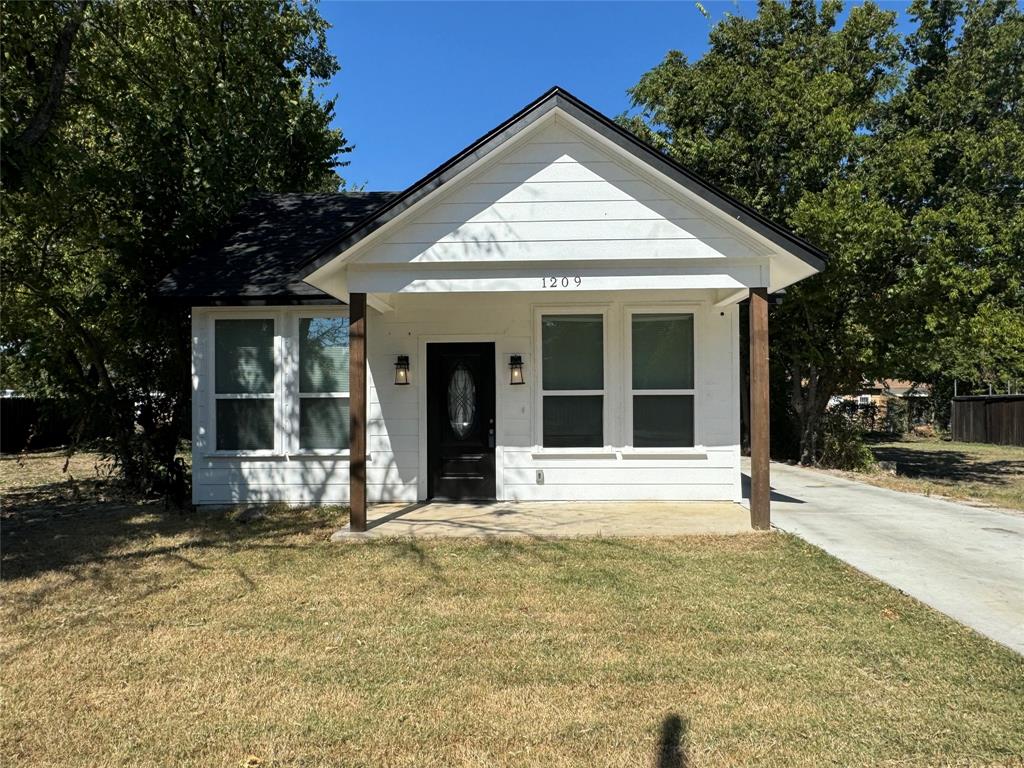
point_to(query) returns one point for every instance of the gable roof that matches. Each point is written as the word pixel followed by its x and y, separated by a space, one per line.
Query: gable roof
pixel 257 255
pixel 266 251
pixel 559 98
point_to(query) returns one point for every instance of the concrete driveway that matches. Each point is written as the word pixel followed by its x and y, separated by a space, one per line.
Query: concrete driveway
pixel 965 561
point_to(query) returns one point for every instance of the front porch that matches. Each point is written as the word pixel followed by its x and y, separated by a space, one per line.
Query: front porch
pixel 550 519
pixel 608 488
pixel 552 316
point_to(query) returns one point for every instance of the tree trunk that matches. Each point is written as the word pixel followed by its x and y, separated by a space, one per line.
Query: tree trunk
pixel 810 392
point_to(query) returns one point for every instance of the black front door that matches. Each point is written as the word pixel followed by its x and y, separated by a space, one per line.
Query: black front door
pixel 460 421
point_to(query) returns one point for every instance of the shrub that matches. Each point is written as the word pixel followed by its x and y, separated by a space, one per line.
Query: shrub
pixel 897 415
pixel 842 441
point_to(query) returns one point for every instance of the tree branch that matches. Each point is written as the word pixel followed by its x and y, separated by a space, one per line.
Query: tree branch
pixel 41 122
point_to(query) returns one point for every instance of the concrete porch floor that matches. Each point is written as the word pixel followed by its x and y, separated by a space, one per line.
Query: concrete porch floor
pixel 551 519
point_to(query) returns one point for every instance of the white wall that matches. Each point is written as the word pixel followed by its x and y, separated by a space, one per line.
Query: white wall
pixel 558 196
pixel 396 427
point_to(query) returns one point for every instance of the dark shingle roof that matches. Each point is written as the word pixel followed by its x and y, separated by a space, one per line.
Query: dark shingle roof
pixel 258 255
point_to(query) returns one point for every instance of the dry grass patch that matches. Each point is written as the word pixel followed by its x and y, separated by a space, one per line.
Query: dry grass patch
pixel 990 474
pixel 138 636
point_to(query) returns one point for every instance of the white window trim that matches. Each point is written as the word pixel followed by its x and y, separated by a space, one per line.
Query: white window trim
pixel 606 392
pixel 261 313
pixel 681 308
pixel 295 397
pixel 286 380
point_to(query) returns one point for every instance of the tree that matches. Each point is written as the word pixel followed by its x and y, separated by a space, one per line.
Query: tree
pixel 941 187
pixel 900 158
pixel 130 131
pixel 780 108
pixel 950 158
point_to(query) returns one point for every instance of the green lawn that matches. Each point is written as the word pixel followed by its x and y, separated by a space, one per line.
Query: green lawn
pixel 137 636
pixel 991 474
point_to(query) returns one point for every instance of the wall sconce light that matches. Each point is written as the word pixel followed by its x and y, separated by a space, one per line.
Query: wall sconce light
pixel 515 370
pixel 402 370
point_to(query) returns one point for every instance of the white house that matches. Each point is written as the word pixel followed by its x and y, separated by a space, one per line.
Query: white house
pixel 552 314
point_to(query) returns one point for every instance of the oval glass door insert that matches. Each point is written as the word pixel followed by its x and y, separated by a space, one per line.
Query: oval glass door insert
pixel 461 401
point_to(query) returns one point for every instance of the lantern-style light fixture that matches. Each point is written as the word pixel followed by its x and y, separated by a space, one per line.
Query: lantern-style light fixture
pixel 515 370
pixel 402 370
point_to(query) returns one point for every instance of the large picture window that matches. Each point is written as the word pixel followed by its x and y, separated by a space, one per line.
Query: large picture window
pixel 662 388
pixel 323 383
pixel 244 384
pixel 572 386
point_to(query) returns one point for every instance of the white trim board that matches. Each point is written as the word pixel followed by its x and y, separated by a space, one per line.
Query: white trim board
pixel 775 268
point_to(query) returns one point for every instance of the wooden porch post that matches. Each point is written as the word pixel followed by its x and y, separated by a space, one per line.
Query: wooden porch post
pixel 357 410
pixel 760 481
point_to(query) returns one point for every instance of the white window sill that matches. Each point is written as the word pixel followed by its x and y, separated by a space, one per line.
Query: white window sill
pixel 574 453
pixel 276 455
pixel 242 455
pixel 682 454
pixel 627 454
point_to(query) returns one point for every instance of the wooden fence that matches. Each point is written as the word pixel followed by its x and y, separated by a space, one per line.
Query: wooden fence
pixel 988 419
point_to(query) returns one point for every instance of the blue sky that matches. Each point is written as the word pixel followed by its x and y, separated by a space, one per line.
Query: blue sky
pixel 421 80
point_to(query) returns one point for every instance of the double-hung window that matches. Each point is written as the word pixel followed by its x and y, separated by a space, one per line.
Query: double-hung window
pixel 662 390
pixel 244 384
pixel 323 383
pixel 572 380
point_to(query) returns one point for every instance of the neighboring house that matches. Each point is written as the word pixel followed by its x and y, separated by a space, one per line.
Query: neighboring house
pixel 878 392
pixel 875 404
pixel 552 314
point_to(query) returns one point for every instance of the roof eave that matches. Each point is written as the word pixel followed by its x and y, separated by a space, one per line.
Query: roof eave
pixel 435 179
pixel 270 300
pixel 703 188
pixel 558 98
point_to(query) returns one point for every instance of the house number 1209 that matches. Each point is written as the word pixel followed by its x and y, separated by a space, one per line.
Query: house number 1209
pixel 561 282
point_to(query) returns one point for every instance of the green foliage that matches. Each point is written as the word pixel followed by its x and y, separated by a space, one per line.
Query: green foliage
pixel 903 159
pixel 949 157
pixel 842 443
pixel 897 416
pixel 130 132
pixel 772 110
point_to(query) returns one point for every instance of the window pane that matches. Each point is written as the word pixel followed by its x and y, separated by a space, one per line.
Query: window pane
pixel 244 356
pixel 662 421
pixel 573 421
pixel 323 354
pixel 662 351
pixel 323 423
pixel 245 425
pixel 573 347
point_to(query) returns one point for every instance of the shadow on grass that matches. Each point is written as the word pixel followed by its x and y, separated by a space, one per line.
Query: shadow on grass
pixel 62 525
pixel 949 466
pixel 55 526
pixel 672 747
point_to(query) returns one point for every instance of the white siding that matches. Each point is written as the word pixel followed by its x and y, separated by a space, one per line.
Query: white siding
pixel 396 425
pixel 559 197
pixel 467 265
